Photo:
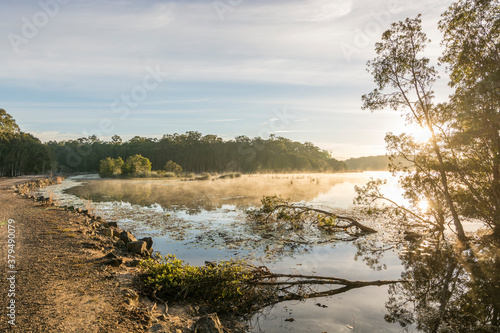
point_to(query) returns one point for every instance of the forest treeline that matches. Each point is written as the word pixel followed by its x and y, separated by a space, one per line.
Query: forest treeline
pixel 198 153
pixel 22 153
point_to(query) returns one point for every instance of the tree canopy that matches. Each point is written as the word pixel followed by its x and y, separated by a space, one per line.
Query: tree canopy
pixel 198 153
pixel 7 123
pixel 457 172
pixel 21 153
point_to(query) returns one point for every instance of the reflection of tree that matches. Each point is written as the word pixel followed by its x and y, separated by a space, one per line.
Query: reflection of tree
pixel 371 251
pixel 450 290
pixel 299 287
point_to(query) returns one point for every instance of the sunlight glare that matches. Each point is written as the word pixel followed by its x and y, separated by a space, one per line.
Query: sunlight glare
pixel 423 205
pixel 420 134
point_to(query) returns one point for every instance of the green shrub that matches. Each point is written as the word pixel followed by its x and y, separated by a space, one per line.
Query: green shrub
pixel 110 167
pixel 137 166
pixel 173 167
pixel 225 287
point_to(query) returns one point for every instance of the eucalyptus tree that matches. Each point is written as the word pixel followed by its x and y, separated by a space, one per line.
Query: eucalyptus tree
pixel 457 171
pixel 471 32
pixel 405 81
pixel 21 153
pixel 7 123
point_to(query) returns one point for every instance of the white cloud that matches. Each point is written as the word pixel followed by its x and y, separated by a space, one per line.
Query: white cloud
pixel 91 52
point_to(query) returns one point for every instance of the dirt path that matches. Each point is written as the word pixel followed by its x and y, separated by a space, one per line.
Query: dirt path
pixel 5 183
pixel 59 281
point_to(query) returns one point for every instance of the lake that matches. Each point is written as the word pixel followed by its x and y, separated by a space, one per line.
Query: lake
pixel 202 221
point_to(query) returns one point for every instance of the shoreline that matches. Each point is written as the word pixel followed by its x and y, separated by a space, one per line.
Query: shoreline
pixel 105 268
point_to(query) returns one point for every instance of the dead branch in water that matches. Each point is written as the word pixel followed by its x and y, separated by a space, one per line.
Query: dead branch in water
pixel 277 213
pixel 352 222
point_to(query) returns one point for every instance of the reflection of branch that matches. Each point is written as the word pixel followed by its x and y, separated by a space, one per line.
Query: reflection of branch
pixel 352 222
pixel 314 279
pixel 301 280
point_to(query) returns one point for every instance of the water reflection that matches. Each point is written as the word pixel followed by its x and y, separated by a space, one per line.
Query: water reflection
pixel 451 288
pixel 244 192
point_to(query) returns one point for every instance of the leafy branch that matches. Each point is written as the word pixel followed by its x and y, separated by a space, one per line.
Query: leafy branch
pixel 278 213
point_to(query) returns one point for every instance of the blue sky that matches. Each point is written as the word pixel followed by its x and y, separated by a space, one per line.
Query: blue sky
pixel 293 68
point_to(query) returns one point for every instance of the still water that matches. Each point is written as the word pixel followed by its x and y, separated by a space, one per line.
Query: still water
pixel 205 220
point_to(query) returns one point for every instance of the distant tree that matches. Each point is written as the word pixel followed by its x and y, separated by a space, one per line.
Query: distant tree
pixel 136 166
pixel 7 123
pixel 21 153
pixel 198 153
pixel 110 167
pixel 171 166
pixel 116 140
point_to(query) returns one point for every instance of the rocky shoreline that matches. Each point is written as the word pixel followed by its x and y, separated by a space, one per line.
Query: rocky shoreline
pixel 123 240
pixel 120 252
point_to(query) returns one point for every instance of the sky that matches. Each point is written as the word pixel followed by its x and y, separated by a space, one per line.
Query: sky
pixel 292 68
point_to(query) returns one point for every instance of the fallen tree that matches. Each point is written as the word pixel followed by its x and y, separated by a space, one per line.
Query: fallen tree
pixel 236 287
pixel 278 213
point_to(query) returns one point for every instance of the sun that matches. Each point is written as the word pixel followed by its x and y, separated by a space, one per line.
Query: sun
pixel 423 205
pixel 419 133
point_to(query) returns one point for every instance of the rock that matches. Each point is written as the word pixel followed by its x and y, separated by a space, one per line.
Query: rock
pixel 96 225
pixel 109 224
pixel 138 247
pixel 110 255
pixel 114 232
pixel 129 293
pixel 149 243
pixel 107 232
pixel 209 324
pixel 133 263
pixel 127 237
pixel 78 210
pixel 115 262
pixel 160 328
pixel 119 243
pixel 96 218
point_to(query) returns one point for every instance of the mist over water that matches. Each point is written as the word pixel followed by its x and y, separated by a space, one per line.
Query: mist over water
pixel 206 220
pixel 333 190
